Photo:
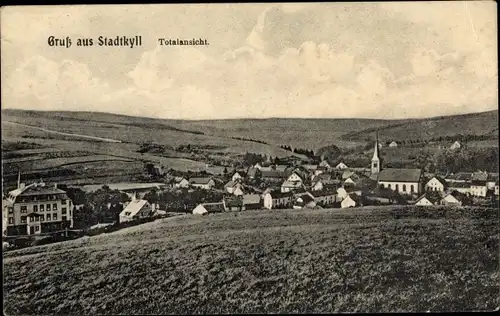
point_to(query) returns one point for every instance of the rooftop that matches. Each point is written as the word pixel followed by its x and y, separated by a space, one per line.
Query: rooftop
pixel 400 175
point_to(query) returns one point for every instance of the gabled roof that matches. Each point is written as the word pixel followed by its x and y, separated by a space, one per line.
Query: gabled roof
pixel 433 198
pixel 272 174
pixel 200 180
pixel 36 189
pixel 252 172
pixel 288 183
pixel 280 195
pixel 353 197
pixel 230 184
pixel 323 193
pixel 460 176
pixel 438 178
pixel 400 175
pixel 133 208
pixel 306 198
pixel 241 173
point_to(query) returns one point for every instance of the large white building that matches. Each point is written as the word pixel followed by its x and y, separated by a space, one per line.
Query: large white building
pixel 35 209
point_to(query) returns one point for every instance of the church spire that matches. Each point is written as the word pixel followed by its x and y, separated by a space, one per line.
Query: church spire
pixel 376 158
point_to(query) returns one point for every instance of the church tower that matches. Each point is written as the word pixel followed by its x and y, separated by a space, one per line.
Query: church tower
pixel 376 157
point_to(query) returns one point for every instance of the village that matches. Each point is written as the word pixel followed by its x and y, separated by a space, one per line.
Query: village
pixel 44 209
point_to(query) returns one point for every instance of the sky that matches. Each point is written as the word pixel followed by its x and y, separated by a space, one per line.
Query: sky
pixel 386 60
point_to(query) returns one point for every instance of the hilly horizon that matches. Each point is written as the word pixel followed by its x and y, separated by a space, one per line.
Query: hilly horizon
pixel 113 114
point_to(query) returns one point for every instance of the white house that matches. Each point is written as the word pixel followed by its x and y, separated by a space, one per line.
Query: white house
pixel 204 183
pixel 304 201
pixel 341 166
pixel 318 186
pixel 289 186
pixel 238 175
pixel 342 193
pixel 238 190
pixel 454 198
pixel 427 200
pixel 277 199
pixel 435 184
pixel 324 164
pixel 258 166
pixel 455 145
pixel 136 209
pixel 478 188
pixel 181 183
pixel 207 208
pixel 350 200
pixel 294 177
pixel 393 144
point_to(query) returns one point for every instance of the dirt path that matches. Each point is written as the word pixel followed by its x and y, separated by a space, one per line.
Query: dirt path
pixel 109 140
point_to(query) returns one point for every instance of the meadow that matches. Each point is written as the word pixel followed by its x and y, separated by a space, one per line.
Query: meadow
pixel 372 259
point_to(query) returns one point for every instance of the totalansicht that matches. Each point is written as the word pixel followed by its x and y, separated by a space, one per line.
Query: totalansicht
pixel 120 41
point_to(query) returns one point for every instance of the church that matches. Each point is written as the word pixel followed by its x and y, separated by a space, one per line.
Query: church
pixel 400 180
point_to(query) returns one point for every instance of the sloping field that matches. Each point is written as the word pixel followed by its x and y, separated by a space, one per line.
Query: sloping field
pixel 359 260
pixel 133 130
pixel 485 123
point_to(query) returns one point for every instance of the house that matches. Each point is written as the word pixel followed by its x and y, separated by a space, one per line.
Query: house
pixel 384 196
pixel 393 145
pixel 436 183
pixel 455 145
pixel 136 209
pixel 254 173
pixel 181 183
pixel 207 208
pixel 257 166
pixel 318 185
pixel 454 198
pixel 252 201
pixel 204 183
pixel 277 199
pixel 304 201
pixel 325 197
pixel 341 166
pixel 325 164
pixel 35 209
pixel 343 192
pixel 295 177
pixel 233 187
pixel 478 188
pixel 347 174
pixel 238 175
pixel 459 177
pixel 233 204
pixel 352 180
pixel 428 199
pixel 351 200
pixel 492 179
pixel 272 175
pixel 289 186
pixel 404 181
pixel 462 187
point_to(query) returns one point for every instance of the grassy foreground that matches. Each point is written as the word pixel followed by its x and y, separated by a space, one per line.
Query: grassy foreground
pixel 360 260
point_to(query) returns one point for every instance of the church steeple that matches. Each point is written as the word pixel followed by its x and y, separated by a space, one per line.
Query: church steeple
pixel 376 157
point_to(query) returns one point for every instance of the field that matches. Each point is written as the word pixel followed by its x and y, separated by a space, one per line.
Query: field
pixel 359 260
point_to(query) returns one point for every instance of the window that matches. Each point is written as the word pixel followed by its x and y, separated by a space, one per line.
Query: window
pixel 397 187
pixel 42 207
pixel 404 187
pixel 389 185
pixel 63 202
pixel 48 217
pixel 24 208
pixel 63 210
pixel 48 207
pixel 11 220
pixel 42 218
pixel 37 228
pixel 54 216
pixel 412 188
pixel 11 210
pixel 32 218
pixel 23 219
pixel 54 207
pixel 35 208
pixel 69 212
pixel 64 218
